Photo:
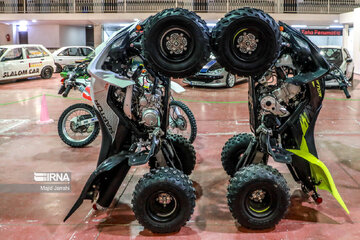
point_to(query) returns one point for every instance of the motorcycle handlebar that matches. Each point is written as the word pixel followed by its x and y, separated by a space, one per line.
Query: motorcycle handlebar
pixel 67 90
pixel 347 94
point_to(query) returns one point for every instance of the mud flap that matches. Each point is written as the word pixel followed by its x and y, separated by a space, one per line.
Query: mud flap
pixel 321 174
pixel 105 166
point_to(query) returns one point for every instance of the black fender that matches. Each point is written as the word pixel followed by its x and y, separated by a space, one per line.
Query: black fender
pixel 106 166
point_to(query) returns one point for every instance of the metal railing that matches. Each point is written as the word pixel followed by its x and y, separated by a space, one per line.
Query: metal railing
pixel 121 6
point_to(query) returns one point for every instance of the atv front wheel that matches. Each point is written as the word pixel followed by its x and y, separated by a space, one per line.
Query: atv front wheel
pixel 71 132
pixel 233 150
pixel 176 43
pixel 185 152
pixel 246 42
pixel 258 196
pixel 163 200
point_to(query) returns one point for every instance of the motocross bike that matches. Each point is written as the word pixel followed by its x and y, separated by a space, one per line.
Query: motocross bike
pixel 78 127
pixel 283 111
pixel 134 122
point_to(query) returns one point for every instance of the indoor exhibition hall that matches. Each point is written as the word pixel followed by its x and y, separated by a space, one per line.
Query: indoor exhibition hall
pixel 179 119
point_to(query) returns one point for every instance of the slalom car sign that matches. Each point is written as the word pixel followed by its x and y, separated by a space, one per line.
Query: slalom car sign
pixel 20 73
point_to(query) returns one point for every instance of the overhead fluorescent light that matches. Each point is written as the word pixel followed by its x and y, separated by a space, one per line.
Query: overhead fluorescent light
pixel 124 24
pixel 23 26
pixel 337 26
pixel 336 21
pixel 299 26
pixel 211 24
pixel 34 20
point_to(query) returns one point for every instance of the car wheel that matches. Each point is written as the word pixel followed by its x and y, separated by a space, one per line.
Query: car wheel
pixel 47 72
pixel 58 68
pixel 352 76
pixel 230 80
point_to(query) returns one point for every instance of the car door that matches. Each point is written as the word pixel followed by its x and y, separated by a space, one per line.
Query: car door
pixel 13 64
pixel 35 59
pixel 349 63
pixel 69 56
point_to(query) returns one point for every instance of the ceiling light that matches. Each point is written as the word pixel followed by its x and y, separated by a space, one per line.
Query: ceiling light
pixel 34 21
pixel 299 26
pixel 336 21
pixel 337 26
pixel 22 26
pixel 211 24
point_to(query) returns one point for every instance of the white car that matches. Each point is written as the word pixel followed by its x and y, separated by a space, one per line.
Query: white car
pixel 340 57
pixel 23 61
pixel 69 55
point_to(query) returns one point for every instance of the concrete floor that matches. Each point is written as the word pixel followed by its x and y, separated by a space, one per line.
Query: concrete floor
pixel 26 147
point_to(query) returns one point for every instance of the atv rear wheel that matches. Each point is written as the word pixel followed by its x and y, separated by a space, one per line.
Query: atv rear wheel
pixel 246 42
pixel 163 200
pixel 176 43
pixel 258 196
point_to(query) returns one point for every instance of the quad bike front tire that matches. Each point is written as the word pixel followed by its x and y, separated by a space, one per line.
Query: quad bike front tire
pixel 233 150
pixel 184 124
pixel 62 126
pixel 163 200
pixel 246 42
pixel 184 150
pixel 176 43
pixel 258 196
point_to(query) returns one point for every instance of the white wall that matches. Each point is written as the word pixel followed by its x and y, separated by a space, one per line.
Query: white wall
pixel 6 29
pixel 72 36
pixel 47 35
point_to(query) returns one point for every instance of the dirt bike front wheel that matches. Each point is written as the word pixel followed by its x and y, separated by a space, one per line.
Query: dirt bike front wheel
pixel 182 121
pixel 78 126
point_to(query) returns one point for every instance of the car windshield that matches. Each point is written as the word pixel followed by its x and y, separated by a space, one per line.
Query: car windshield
pixel 91 55
pixel 331 54
pixel 2 50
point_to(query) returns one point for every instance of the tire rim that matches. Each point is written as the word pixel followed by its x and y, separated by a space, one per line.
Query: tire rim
pixel 162 206
pixel 75 133
pixel 248 44
pixel 176 44
pixel 179 120
pixel 259 202
pixel 47 72
pixel 231 80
